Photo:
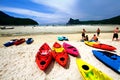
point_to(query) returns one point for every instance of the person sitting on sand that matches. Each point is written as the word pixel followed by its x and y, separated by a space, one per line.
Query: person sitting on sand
pixel 85 38
pixel 94 38
pixel 115 35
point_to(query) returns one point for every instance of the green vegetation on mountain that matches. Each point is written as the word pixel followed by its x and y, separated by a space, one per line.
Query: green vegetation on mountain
pixel 114 20
pixel 9 20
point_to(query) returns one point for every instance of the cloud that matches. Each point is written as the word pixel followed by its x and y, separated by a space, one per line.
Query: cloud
pixel 61 11
pixel 39 16
pixel 24 11
pixel 57 11
pixel 64 6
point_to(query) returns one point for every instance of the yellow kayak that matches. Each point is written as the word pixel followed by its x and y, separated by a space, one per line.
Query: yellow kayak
pixel 58 49
pixel 90 43
pixel 89 72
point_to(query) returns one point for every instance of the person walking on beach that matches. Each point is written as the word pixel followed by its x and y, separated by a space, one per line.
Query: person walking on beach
pixel 115 34
pixel 83 34
pixel 98 31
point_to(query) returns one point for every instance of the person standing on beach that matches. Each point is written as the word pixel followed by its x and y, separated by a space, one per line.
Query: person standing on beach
pixel 115 34
pixel 98 31
pixel 83 34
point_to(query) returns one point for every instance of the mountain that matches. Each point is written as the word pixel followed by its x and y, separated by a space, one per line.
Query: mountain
pixel 9 20
pixel 114 20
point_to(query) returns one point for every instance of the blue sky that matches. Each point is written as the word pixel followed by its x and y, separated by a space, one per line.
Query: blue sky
pixel 59 11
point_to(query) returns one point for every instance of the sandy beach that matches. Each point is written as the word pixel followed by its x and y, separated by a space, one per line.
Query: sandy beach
pixel 18 62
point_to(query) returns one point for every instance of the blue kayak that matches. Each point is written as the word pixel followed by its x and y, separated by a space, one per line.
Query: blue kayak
pixel 29 40
pixel 7 44
pixel 109 59
pixel 10 43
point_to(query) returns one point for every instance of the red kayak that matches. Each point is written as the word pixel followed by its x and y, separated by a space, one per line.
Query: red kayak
pixel 44 56
pixel 71 49
pixel 104 47
pixel 59 54
pixel 20 41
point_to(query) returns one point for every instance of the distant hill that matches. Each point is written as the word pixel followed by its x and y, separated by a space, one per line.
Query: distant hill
pixel 9 20
pixel 114 20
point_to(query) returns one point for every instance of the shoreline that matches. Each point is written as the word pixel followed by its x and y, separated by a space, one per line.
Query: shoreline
pixel 41 30
pixel 28 34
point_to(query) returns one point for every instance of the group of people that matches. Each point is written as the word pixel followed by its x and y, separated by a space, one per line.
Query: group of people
pixel 95 37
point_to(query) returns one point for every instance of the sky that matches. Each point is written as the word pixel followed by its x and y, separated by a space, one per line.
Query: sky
pixel 60 11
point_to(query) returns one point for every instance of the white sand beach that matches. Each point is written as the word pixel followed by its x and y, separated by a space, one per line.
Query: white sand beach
pixel 18 62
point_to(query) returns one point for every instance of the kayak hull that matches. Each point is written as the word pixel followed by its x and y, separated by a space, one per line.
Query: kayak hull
pixel 20 41
pixel 104 47
pixel 71 49
pixel 90 43
pixel 43 57
pixel 59 54
pixel 7 44
pixel 62 38
pixel 109 59
pixel 100 46
pixel 29 40
pixel 89 72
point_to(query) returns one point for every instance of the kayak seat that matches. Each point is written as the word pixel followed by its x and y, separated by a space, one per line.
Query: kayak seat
pixel 114 57
pixel 42 62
